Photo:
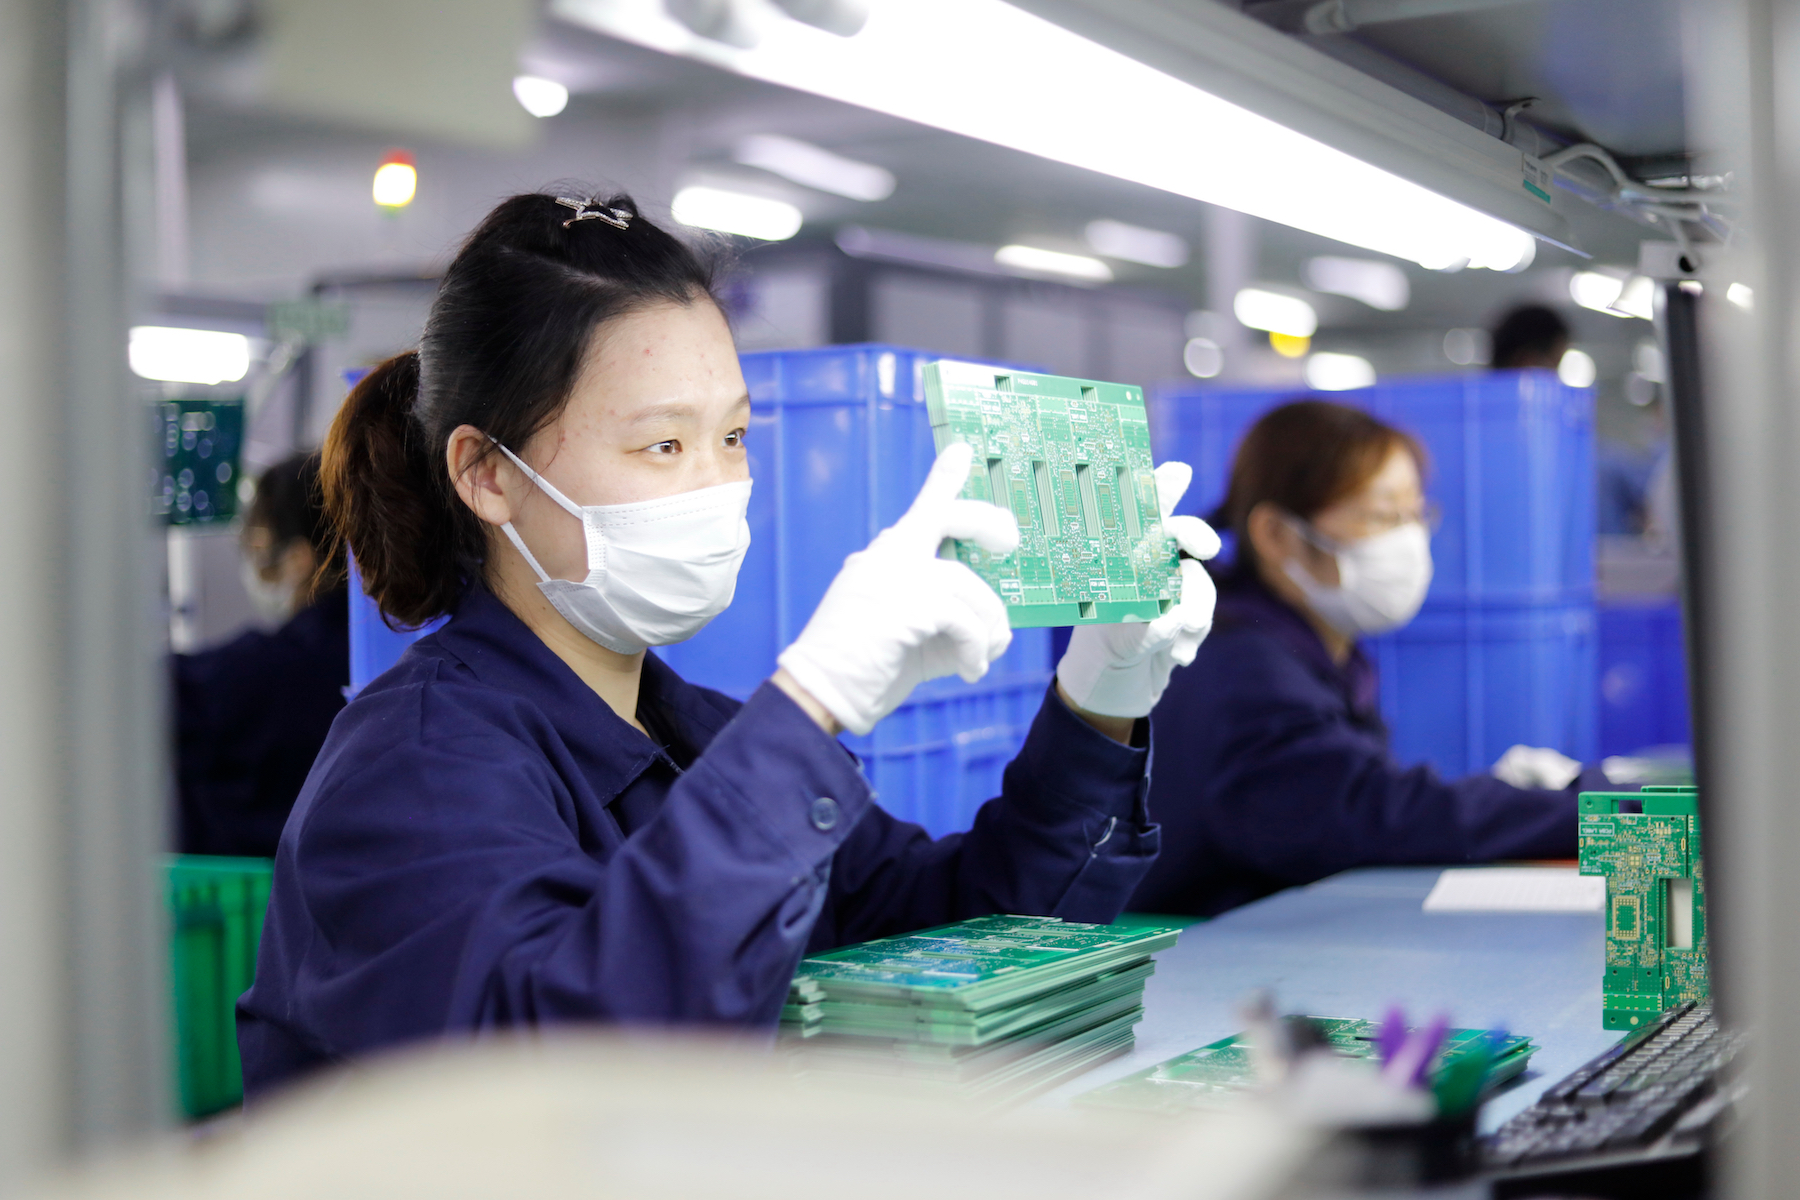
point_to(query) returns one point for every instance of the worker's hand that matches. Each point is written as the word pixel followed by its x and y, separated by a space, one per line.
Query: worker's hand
pixel 1121 670
pixel 897 614
pixel 1536 767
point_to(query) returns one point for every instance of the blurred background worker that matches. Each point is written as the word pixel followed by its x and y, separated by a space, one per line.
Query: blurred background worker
pixel 1272 761
pixel 1531 335
pixel 252 714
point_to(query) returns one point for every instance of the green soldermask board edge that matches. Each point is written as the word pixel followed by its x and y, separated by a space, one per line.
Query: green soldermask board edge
pixel 1656 958
pixel 1071 459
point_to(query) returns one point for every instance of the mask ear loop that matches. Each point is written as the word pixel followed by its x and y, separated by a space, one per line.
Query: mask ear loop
pixel 512 535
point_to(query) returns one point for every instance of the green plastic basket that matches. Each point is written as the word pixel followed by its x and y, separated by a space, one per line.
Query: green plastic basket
pixel 216 910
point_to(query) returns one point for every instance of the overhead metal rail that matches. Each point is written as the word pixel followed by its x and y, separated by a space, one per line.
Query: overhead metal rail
pixel 1382 111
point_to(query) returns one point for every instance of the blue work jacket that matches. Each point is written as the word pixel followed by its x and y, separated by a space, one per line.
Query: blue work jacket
pixel 484 843
pixel 1272 769
pixel 250 717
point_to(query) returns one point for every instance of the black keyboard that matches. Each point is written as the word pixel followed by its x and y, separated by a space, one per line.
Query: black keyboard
pixel 1653 1097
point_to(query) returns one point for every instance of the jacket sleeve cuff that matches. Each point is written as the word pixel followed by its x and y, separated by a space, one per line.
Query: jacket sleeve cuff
pixel 1067 760
pixel 804 786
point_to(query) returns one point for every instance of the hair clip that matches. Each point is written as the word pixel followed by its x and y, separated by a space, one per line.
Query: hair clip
pixel 618 218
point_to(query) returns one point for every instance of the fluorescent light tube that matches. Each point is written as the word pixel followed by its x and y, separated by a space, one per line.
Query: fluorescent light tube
pixel 540 97
pixel 178 355
pixel 1338 372
pixel 1034 261
pixel 934 62
pixel 815 167
pixel 1276 313
pixel 1380 285
pixel 1596 291
pixel 1134 243
pixel 735 212
pixel 1636 299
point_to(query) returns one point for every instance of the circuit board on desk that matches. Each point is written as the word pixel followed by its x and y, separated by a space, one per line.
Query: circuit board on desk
pixel 1655 900
pixel 1071 459
pixel 1221 1071
pixel 977 965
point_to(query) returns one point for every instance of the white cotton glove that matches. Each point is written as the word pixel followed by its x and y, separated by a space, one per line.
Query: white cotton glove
pixel 1536 767
pixel 898 615
pixel 1121 670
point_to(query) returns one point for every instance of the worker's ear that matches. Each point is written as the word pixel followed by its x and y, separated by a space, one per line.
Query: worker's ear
pixel 482 476
pixel 1273 539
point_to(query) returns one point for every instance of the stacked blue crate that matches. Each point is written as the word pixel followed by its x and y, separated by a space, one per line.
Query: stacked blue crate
pixel 839 443
pixel 1643 676
pixel 1504 650
pixel 374 645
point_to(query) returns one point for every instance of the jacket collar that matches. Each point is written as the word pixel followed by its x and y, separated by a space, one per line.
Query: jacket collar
pixel 501 652
pixel 1244 599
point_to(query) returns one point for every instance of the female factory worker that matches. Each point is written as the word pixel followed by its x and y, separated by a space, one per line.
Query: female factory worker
pixel 1272 760
pixel 530 819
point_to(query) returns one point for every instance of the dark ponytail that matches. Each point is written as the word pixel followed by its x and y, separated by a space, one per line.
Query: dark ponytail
pixel 503 346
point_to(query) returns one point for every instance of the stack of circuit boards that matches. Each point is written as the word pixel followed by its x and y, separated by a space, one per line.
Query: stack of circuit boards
pixel 1655 900
pixel 995 1008
pixel 1070 458
pixel 1220 1071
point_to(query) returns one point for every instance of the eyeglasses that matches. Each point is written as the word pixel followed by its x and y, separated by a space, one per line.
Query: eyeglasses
pixel 1375 522
pixel 1371 523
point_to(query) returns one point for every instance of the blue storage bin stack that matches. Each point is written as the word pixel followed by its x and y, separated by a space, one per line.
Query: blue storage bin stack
pixel 373 646
pixel 1643 677
pixel 839 443
pixel 1504 650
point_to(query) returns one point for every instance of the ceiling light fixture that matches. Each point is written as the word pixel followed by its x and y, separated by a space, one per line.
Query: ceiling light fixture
pixel 1289 316
pixel 1223 154
pixel 1380 285
pixel 1338 372
pixel 1032 260
pixel 1596 291
pixel 1577 369
pixel 814 167
pixel 1203 357
pixel 736 212
pixel 177 355
pixel 539 96
pixel 1134 243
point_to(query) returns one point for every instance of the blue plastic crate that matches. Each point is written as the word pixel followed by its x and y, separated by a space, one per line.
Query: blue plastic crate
pixel 839 443
pixel 1512 467
pixel 373 646
pixel 1463 682
pixel 1643 677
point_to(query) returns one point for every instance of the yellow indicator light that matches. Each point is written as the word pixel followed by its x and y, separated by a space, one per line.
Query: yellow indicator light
pixel 396 181
pixel 1289 347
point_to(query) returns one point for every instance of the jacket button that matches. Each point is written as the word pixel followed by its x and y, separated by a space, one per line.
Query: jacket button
pixel 824 813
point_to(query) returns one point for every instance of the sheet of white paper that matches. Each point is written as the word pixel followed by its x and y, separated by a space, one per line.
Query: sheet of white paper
pixel 1516 889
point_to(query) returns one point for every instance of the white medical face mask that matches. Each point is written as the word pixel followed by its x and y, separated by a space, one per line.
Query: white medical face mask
pixel 1382 580
pixel 274 602
pixel 657 570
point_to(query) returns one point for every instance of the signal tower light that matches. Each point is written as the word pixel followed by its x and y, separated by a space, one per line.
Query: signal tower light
pixel 396 180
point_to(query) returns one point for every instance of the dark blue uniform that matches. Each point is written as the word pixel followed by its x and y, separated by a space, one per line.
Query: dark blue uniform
pixel 484 843
pixel 1272 769
pixel 250 717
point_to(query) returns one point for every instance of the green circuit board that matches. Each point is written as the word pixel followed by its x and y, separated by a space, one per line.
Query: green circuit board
pixel 1222 1071
pixel 1655 899
pixel 1071 459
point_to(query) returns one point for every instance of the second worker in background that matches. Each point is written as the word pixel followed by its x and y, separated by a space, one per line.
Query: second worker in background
pixel 1272 761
